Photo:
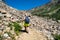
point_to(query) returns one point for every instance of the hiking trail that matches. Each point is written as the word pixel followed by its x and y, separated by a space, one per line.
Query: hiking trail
pixel 32 35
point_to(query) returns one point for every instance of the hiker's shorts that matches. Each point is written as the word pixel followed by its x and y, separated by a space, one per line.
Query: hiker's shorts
pixel 26 24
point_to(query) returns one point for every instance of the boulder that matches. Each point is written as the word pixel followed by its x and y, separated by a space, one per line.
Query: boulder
pixel 5 35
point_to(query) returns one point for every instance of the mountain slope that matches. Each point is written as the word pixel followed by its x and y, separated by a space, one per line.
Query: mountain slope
pixel 42 28
pixel 11 13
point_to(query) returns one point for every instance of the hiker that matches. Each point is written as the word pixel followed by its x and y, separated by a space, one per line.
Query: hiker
pixel 26 23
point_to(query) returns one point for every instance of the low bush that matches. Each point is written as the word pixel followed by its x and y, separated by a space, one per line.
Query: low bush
pixel 16 26
pixel 56 37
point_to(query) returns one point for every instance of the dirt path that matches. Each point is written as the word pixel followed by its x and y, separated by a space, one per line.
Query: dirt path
pixel 32 35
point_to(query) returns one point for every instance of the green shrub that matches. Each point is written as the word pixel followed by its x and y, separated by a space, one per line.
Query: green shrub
pixel 56 15
pixel 56 37
pixel 17 27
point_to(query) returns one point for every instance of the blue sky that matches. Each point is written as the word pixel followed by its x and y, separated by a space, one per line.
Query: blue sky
pixel 25 4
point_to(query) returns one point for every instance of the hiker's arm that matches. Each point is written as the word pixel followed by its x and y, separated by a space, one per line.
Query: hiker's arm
pixel 22 20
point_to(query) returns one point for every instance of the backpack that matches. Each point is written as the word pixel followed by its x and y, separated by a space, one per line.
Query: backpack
pixel 27 20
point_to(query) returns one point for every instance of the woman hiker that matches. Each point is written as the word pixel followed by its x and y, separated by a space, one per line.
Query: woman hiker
pixel 26 23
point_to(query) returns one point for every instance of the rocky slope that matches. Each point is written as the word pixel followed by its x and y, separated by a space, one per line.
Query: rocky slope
pixel 40 29
pixel 7 15
pixel 46 9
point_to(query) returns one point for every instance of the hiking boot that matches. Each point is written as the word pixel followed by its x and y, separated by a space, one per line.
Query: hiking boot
pixel 26 31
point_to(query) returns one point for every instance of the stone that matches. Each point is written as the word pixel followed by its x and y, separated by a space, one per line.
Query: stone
pixel 6 23
pixel 8 15
pixel 5 35
pixel 7 29
pixel 58 20
pixel 1 14
pixel 58 28
pixel 0 32
pixel 1 28
pixel 9 38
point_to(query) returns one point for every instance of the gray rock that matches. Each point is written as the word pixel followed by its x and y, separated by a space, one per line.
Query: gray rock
pixel 1 14
pixel 5 35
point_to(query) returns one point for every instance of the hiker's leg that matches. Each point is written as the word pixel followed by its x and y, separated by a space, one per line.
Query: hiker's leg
pixel 26 29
